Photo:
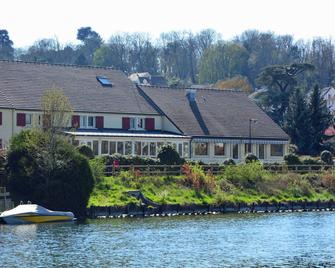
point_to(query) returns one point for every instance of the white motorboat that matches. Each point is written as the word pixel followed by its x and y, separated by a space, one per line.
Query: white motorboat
pixel 32 213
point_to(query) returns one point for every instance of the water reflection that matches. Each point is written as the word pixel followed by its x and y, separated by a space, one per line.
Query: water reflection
pixel 297 239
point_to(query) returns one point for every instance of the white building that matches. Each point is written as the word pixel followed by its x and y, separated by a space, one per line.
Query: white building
pixel 112 115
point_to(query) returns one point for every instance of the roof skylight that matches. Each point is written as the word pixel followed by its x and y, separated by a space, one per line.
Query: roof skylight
pixel 104 81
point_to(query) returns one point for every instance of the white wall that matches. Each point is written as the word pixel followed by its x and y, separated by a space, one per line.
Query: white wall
pixel 9 127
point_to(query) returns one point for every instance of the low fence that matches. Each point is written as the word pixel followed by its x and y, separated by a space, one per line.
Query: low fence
pixel 170 170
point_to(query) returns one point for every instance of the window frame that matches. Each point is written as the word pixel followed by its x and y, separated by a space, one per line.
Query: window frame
pixel 276 155
pixel 235 145
pixel 259 155
pixel 137 123
pixel 195 150
pixel 30 117
pixel 224 149
pixel 84 119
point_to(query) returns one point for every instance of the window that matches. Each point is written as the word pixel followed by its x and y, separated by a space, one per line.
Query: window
pixel 247 148
pixel 277 150
pixel 120 147
pixel 29 118
pixel 90 121
pixel 261 151
pixel 104 147
pixel 174 146
pixel 159 146
pixel 186 149
pixel 180 149
pixel 128 148
pixel 87 121
pixel 112 147
pixel 95 147
pixel 152 148
pixel 145 148
pixel 138 148
pixel 137 123
pixel 201 148
pixel 219 148
pixel 104 81
pixel 235 151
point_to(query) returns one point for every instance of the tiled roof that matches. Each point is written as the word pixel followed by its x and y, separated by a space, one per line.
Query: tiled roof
pixel 23 84
pixel 226 113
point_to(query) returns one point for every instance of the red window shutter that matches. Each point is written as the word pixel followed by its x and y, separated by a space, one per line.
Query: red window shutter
pixel 0 118
pixel 20 119
pixel 150 123
pixel 99 122
pixel 125 123
pixel 75 121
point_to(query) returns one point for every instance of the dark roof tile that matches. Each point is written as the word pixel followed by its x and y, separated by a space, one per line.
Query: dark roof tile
pixel 226 113
pixel 24 85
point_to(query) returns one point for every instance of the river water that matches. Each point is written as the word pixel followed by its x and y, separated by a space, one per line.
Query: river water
pixel 235 240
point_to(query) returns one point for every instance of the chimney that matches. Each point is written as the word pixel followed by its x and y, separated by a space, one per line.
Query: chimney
pixel 190 94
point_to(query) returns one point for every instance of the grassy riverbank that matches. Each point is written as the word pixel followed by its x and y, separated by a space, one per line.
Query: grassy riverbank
pixel 246 183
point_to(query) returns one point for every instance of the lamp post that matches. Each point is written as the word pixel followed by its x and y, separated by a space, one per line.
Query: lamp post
pixel 251 120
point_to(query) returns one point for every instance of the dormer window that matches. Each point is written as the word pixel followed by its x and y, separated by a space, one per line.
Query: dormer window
pixel 87 121
pixel 104 81
pixel 137 123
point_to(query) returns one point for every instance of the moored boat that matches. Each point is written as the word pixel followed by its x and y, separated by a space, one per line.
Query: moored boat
pixel 32 213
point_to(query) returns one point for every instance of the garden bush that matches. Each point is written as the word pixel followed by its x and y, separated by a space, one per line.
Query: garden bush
pixel 327 157
pixel 169 156
pixel 292 159
pixel 86 151
pixel 250 158
pixel 195 177
pixel 293 149
pixel 59 179
pixel 245 175
pixel 98 167
pixel 228 162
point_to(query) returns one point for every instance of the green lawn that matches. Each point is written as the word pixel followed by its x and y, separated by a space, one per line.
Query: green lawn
pixel 244 183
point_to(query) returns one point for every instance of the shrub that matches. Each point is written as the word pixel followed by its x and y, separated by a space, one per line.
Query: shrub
pixel 293 149
pixel 250 158
pixel 327 157
pixel 292 159
pixel 169 156
pixel 299 188
pixel 98 167
pixel 196 178
pixel 310 161
pixel 228 162
pixel 245 175
pixel 85 151
pixel 328 181
pixel 60 179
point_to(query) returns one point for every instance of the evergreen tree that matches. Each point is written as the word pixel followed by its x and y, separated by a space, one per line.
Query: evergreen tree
pixel 6 46
pixel 320 120
pixel 296 121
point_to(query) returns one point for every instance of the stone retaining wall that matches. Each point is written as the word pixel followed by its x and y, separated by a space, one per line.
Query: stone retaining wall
pixel 174 210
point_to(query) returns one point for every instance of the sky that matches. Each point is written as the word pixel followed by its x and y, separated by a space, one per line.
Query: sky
pixel 28 21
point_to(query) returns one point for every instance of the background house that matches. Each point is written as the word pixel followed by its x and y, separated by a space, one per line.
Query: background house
pixel 148 79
